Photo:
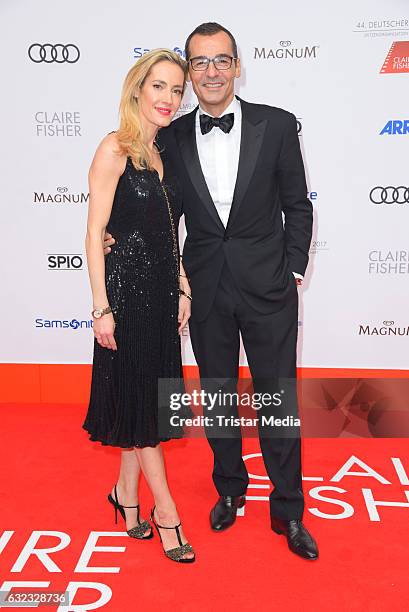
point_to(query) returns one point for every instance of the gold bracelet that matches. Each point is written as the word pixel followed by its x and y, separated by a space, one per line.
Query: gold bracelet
pixel 181 292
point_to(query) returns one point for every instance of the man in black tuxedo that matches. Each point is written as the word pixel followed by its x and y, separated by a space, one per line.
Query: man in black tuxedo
pixel 240 167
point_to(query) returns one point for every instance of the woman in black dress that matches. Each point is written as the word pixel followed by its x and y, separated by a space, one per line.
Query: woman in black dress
pixel 140 293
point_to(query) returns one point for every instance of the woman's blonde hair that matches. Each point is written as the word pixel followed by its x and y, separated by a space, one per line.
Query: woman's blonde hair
pixel 130 133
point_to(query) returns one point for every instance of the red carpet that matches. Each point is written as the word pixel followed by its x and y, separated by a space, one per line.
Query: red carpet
pixel 54 479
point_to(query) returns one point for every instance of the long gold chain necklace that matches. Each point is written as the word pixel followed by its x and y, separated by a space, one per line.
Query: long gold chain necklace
pixel 172 225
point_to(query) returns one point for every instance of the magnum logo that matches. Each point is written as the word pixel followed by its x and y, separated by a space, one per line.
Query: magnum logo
pixel 286 51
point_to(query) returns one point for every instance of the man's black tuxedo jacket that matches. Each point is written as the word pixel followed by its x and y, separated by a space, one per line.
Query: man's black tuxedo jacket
pixel 261 254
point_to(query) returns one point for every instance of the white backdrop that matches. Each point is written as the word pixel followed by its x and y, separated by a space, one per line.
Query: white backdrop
pixel 354 311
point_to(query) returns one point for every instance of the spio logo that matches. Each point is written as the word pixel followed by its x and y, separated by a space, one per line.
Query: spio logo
pixel 71 261
pixel 395 126
pixel 49 54
pixel 389 195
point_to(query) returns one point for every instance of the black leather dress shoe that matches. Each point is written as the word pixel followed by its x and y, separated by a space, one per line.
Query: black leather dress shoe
pixel 300 541
pixel 223 515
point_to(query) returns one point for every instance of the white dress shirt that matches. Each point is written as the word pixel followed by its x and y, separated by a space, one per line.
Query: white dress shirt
pixel 219 158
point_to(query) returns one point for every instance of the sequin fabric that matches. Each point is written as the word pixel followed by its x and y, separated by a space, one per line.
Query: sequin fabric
pixel 141 275
pixel 176 554
pixel 139 531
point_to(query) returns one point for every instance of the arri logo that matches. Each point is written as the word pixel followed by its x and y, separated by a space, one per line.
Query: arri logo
pixel 397 59
pixel 69 261
pixel 395 126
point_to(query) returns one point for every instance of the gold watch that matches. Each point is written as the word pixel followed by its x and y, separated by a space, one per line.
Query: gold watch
pixel 100 312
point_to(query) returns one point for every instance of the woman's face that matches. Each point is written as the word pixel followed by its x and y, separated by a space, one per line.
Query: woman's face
pixel 161 94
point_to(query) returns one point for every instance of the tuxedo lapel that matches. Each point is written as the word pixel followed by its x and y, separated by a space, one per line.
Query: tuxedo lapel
pixel 252 132
pixel 186 138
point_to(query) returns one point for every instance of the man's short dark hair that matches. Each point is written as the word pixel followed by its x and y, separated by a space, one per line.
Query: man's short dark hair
pixel 208 29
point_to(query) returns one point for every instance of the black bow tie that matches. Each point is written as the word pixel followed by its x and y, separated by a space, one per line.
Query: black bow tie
pixel 225 123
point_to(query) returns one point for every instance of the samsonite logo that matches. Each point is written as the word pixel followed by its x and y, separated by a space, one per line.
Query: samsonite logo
pixel 72 324
pixel 395 126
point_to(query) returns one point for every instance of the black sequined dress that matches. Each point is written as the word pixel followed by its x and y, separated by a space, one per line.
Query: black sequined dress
pixel 141 274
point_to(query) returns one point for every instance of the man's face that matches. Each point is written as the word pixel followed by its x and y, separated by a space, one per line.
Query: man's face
pixel 214 88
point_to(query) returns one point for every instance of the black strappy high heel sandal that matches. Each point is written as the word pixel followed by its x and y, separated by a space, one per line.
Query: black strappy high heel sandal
pixel 140 529
pixel 175 554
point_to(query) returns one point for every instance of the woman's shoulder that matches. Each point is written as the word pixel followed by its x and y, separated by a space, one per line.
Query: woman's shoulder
pixel 110 145
pixel 109 153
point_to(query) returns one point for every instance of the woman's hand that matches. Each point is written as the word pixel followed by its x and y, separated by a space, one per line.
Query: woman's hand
pixel 104 331
pixel 184 312
pixel 108 242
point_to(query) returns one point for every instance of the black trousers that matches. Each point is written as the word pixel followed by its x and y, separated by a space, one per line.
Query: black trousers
pixel 270 344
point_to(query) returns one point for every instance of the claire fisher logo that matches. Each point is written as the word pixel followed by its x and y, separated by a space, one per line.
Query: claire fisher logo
pixel 397 59
pixel 71 324
pixel 387 328
pixel 374 28
pixel 63 123
pixel 388 262
pixel 285 51
pixel 57 54
pixel 61 196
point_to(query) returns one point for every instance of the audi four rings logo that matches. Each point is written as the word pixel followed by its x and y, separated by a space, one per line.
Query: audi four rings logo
pixel 49 54
pixel 390 195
